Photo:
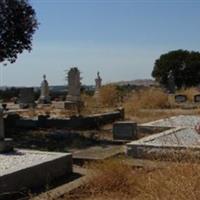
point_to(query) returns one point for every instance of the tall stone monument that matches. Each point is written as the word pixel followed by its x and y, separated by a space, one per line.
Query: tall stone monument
pixel 171 82
pixel 44 93
pixel 74 85
pixel 6 144
pixel 98 82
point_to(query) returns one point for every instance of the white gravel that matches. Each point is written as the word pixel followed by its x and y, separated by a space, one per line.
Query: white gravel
pixel 21 159
pixel 178 121
pixel 187 137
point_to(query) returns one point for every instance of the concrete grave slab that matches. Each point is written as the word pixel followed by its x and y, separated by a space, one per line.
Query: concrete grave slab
pixel 176 140
pixel 24 169
pixel 176 121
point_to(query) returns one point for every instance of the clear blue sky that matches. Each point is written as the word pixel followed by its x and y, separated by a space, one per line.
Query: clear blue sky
pixel 119 38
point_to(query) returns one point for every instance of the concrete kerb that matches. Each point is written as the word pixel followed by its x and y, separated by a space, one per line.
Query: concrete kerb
pixel 143 148
pixel 37 173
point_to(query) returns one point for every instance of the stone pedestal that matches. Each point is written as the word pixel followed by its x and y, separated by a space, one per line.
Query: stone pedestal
pixel 125 130
pixel 6 145
pixel 26 98
pixel 44 95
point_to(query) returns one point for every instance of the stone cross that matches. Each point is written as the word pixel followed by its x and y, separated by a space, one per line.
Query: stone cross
pixel 44 95
pixel 74 85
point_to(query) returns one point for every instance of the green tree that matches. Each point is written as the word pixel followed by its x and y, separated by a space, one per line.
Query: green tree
pixel 185 66
pixel 17 25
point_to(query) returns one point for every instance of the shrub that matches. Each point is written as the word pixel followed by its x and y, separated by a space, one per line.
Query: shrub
pixel 148 98
pixel 108 95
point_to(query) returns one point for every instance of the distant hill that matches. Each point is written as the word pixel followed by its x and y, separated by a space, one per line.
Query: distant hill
pixel 138 82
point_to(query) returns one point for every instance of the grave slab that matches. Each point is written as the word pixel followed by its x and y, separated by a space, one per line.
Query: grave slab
pixel 24 169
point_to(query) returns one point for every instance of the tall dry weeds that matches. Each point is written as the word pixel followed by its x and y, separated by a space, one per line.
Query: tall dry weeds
pixel 113 179
pixel 146 99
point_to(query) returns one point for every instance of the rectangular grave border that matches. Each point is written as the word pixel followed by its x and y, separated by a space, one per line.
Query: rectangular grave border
pixel 38 173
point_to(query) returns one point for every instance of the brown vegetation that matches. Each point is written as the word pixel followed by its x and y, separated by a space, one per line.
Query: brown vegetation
pixel 108 95
pixel 113 179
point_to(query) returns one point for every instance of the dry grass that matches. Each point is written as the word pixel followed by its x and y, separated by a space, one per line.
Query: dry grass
pixel 113 179
pixel 151 98
pixel 189 92
pixel 108 95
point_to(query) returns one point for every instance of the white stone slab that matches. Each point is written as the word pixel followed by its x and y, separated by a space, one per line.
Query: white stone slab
pixel 176 121
pixel 26 168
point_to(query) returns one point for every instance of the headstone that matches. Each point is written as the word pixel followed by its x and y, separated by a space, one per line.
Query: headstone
pixel 180 98
pixel 98 82
pixel 74 85
pixel 125 130
pixel 171 82
pixel 5 143
pixel 197 98
pixel 44 94
pixel 26 98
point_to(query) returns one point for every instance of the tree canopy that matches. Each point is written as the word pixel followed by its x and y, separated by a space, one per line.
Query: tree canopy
pixel 183 64
pixel 17 25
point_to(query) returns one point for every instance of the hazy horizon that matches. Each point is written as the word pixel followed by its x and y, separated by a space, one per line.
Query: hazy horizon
pixel 120 39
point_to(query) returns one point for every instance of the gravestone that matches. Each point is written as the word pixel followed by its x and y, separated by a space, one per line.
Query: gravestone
pixel 125 130
pixel 171 82
pixel 5 143
pixel 98 82
pixel 197 98
pixel 74 85
pixel 26 98
pixel 44 94
pixel 180 98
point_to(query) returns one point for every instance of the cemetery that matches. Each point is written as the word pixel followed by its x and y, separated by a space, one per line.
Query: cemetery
pixel 55 146
pixel 96 130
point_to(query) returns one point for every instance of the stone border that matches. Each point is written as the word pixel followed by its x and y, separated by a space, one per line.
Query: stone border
pixel 37 174
pixel 81 122
pixel 142 149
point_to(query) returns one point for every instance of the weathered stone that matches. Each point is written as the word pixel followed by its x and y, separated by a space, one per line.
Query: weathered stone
pixel 197 98
pixel 6 144
pixel 98 82
pixel 74 85
pixel 44 95
pixel 26 98
pixel 180 98
pixel 125 130
pixel 171 82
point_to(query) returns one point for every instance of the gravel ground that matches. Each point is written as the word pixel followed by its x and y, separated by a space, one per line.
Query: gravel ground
pixel 21 159
pixel 181 120
pixel 188 137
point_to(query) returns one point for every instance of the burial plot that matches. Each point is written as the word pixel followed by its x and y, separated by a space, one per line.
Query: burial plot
pixel 177 141
pixel 180 139
pixel 25 169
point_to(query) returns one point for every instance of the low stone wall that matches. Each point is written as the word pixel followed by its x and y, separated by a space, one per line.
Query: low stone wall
pixel 81 122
